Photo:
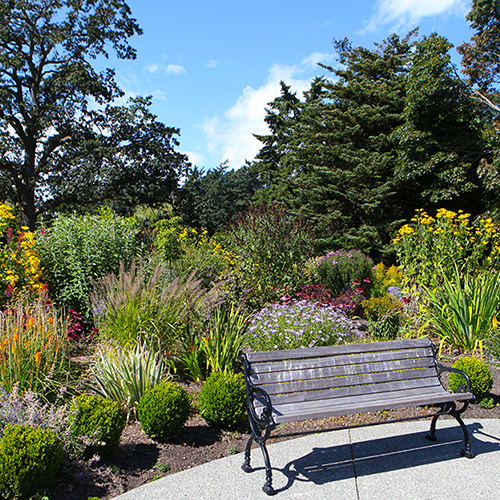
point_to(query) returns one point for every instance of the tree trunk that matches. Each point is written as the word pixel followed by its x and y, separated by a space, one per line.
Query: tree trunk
pixel 27 195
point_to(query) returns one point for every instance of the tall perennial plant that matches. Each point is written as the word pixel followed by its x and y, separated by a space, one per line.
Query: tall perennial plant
pixel 441 242
pixel 20 268
pixel 464 307
pixel 33 348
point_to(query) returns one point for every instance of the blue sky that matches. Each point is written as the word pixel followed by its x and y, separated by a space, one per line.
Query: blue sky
pixel 212 67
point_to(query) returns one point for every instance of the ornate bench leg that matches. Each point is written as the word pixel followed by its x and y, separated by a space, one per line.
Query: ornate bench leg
pixel 451 410
pixel 268 487
pixel 466 452
pixel 432 433
pixel 246 464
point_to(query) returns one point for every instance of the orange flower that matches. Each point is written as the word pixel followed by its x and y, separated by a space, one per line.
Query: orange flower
pixel 16 337
pixel 38 357
pixel 6 342
pixel 31 321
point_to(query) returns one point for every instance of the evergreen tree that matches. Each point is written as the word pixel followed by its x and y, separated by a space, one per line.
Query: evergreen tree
pixel 439 145
pixel 212 199
pixel 340 158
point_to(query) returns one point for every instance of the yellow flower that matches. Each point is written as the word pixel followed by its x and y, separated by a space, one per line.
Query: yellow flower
pixel 38 357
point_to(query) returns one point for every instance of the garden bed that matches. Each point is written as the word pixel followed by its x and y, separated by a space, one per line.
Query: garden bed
pixel 140 460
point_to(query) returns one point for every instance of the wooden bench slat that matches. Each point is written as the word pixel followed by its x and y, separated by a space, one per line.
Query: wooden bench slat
pixel 336 350
pixel 316 411
pixel 350 359
pixel 340 371
pixel 360 400
pixel 342 392
pixel 331 383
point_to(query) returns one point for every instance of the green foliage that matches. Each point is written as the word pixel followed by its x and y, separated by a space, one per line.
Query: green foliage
pixel 451 240
pixel 101 420
pixel 136 305
pixel 30 458
pixel 298 324
pixel 330 157
pixel 226 334
pixel 463 308
pixel 125 375
pixel 134 162
pixel 341 269
pixel 481 61
pixel 46 91
pixel 269 248
pixel 222 399
pixel 170 234
pixel 479 374
pixel 163 410
pixel 76 250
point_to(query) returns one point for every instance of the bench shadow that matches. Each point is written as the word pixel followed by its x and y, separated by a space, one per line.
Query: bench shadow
pixel 330 464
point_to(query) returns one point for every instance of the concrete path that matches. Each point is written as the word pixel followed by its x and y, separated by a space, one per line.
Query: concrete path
pixel 384 462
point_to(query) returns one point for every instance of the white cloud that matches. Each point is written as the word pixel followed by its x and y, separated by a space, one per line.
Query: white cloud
pixel 230 137
pixel 171 69
pixel 152 68
pixel 410 12
pixel 175 69
pixel 212 63
pixel 196 159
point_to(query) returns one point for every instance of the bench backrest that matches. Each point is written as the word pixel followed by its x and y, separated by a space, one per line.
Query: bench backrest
pixel 364 368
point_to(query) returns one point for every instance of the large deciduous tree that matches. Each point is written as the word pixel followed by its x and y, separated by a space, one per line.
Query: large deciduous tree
pixel 56 110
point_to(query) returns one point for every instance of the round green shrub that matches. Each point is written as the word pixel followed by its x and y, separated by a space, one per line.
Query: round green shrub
pixel 163 410
pixel 29 459
pixel 222 399
pixel 101 420
pixel 480 376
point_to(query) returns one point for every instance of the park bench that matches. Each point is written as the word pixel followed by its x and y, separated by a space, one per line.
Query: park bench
pixel 301 384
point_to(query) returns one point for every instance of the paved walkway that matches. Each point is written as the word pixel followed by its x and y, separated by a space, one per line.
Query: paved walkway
pixel 384 462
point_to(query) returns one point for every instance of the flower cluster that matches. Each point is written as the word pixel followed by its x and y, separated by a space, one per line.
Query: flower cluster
pixel 429 244
pixel 298 324
pixel 20 266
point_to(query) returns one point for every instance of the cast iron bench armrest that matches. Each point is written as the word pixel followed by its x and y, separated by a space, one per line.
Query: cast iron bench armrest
pixel 450 369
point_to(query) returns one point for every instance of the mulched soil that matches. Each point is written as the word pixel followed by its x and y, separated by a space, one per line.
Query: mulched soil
pixel 140 460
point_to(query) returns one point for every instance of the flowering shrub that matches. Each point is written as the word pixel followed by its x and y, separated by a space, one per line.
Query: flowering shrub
pixel 449 239
pixel 28 409
pixel 33 347
pixel 20 267
pixel 341 270
pixel 298 324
